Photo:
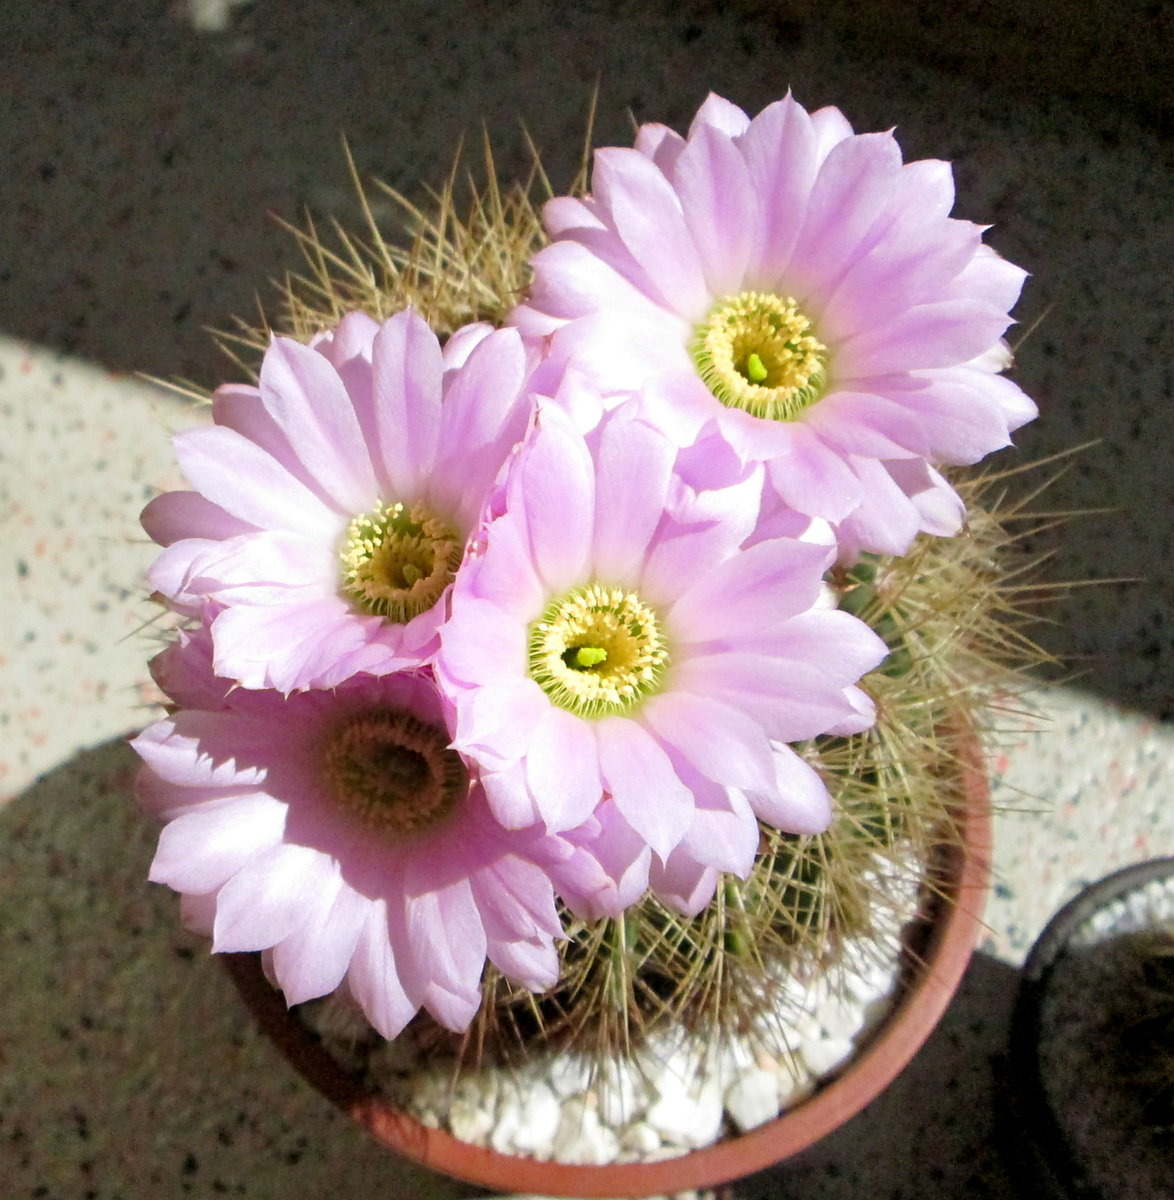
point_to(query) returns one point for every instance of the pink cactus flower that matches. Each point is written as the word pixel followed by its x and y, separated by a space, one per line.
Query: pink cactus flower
pixel 333 502
pixel 801 286
pixel 339 832
pixel 625 665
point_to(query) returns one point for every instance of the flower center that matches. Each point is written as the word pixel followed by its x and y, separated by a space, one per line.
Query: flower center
pixel 396 561
pixel 757 352
pixel 598 651
pixel 393 772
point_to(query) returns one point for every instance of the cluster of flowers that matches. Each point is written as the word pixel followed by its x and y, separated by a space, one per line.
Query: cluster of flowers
pixel 536 614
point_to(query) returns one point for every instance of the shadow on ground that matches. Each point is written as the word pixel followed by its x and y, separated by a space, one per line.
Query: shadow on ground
pixel 128 1067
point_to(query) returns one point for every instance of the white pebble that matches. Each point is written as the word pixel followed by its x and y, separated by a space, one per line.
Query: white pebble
pixel 735 1057
pixel 506 1130
pixel 569 1076
pixel 804 1027
pixel 580 1137
pixel 826 1054
pixel 753 1098
pixel 874 1013
pixel 669 1068
pixel 538 1121
pixel 688 1120
pixel 470 1120
pixel 794 1089
pixel 617 1090
pixel 481 1089
pixel 839 1019
pixel 641 1139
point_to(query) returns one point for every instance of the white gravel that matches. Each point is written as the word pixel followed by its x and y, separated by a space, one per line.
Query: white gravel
pixel 676 1094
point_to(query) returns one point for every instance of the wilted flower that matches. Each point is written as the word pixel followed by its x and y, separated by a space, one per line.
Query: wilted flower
pixel 340 832
pixel 800 285
pixel 618 653
pixel 334 501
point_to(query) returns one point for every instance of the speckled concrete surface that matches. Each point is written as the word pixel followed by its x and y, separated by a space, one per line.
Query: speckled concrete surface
pixel 141 156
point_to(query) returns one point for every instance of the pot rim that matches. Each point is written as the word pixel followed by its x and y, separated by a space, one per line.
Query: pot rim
pixel 1049 1152
pixel 954 925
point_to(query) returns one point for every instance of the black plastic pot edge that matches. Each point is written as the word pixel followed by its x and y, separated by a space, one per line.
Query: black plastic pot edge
pixel 1042 1151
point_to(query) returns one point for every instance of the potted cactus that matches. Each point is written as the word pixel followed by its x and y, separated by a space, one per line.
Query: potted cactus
pixel 580 658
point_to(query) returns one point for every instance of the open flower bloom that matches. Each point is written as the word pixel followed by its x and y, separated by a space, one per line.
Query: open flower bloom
pixel 340 833
pixel 616 640
pixel 802 286
pixel 333 502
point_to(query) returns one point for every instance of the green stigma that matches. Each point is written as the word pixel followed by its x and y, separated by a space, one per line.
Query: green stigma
pixel 396 561
pixel 598 651
pixel 757 352
pixel 755 371
pixel 588 656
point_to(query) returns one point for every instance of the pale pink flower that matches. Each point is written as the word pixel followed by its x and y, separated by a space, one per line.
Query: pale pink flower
pixel 800 285
pixel 339 832
pixel 626 666
pixel 334 501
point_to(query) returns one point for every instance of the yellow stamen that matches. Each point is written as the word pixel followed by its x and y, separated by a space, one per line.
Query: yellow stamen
pixel 598 651
pixel 757 352
pixel 396 561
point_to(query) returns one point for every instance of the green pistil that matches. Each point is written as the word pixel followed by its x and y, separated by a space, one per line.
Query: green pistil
pixel 586 657
pixel 598 651
pixel 396 561
pixel 755 371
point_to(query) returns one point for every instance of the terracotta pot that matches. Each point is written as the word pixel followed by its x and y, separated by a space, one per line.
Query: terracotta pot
pixel 944 948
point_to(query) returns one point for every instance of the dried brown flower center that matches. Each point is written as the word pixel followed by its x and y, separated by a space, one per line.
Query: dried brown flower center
pixel 393 771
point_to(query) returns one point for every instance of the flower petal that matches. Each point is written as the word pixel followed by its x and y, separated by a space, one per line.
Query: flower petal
pixel 642 782
pixel 717 197
pixel 562 769
pixel 373 977
pixel 245 481
pixel 633 467
pixel 307 399
pixel 799 802
pixel 484 414
pixel 647 216
pixel 718 113
pixel 750 592
pixel 179 515
pixel 445 932
pixel 407 372
pixel 942 334
pixel 313 959
pixel 205 847
pixel 683 883
pixel 263 902
pixel 552 487
pixel 813 478
pixel 720 742
pixel 781 151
